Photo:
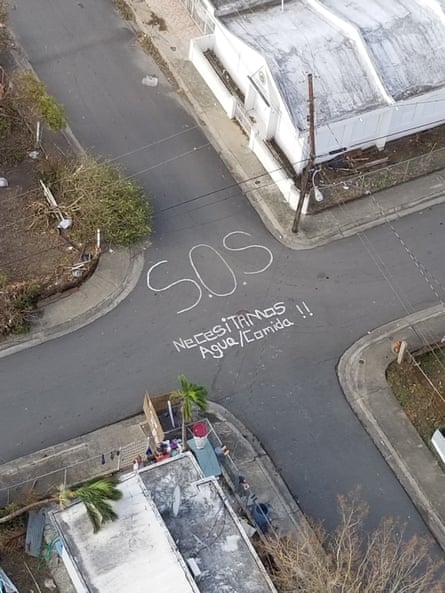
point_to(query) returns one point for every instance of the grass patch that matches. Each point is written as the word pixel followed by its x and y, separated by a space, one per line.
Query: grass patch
pixel 423 405
pixel 31 94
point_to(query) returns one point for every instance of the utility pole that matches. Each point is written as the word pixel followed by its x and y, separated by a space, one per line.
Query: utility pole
pixel 306 171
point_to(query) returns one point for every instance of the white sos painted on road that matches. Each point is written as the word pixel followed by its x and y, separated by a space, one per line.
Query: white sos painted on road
pixel 199 282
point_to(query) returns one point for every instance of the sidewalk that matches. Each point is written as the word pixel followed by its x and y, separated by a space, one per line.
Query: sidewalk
pixel 231 144
pixel 361 372
pixel 93 454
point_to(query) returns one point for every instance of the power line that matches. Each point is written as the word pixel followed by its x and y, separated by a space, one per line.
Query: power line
pixel 117 157
pixel 38 252
pixel 247 180
pixel 381 266
pixel 421 335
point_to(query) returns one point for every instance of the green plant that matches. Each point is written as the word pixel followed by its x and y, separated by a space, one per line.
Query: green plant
pixel 33 94
pixel 189 396
pixel 97 195
pixel 11 507
pixel 96 495
pixel 27 299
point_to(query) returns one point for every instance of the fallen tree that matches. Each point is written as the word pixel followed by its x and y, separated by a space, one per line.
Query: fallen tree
pixel 98 196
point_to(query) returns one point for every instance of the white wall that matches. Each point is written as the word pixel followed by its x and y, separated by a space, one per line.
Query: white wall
pixel 196 55
pixel 76 580
pixel 238 58
pixel 372 128
pixel 382 125
pixel 286 185
pixel 292 142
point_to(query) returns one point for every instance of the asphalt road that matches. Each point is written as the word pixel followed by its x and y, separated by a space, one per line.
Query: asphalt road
pixel 273 365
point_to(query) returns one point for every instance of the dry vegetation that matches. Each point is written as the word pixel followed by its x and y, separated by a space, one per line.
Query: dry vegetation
pixel 350 560
pixel 419 385
pixel 37 259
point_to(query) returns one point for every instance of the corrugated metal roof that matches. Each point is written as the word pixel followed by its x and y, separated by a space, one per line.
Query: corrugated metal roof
pixel 406 40
pixel 362 54
pixel 34 532
pixel 299 40
pixel 225 7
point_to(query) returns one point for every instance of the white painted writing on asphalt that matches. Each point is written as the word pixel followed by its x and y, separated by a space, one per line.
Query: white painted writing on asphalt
pixel 239 330
pixel 223 267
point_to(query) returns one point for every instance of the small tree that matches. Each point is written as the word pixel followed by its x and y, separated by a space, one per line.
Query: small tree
pixel 96 496
pixel 189 396
pixel 350 561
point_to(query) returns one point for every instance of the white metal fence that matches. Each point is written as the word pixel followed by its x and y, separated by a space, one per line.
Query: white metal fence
pixel 199 12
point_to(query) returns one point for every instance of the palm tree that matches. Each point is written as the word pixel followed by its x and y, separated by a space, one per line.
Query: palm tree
pixel 189 396
pixel 96 495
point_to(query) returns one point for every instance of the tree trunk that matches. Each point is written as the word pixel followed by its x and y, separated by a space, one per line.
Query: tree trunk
pixel 184 436
pixel 28 507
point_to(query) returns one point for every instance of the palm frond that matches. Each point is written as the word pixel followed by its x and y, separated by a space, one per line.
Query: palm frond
pixel 96 496
pixel 93 516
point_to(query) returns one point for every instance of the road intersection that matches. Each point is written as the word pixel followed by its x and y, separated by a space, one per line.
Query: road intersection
pixel 219 299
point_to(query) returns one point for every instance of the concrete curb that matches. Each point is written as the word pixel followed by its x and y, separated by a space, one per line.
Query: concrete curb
pixel 361 373
pixel 124 285
pixel 21 62
pixel 87 316
pixel 360 227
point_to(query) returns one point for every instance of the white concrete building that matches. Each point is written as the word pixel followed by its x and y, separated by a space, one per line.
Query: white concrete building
pixel 378 69
pixel 175 533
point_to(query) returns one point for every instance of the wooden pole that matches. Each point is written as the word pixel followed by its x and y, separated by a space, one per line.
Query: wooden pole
pixel 305 175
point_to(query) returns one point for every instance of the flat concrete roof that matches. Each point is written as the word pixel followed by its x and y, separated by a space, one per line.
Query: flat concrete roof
pixel 134 553
pixel 362 54
pixel 205 528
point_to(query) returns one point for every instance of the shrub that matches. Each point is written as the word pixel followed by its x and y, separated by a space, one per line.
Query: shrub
pixel 17 301
pixel 97 195
pixel 33 95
